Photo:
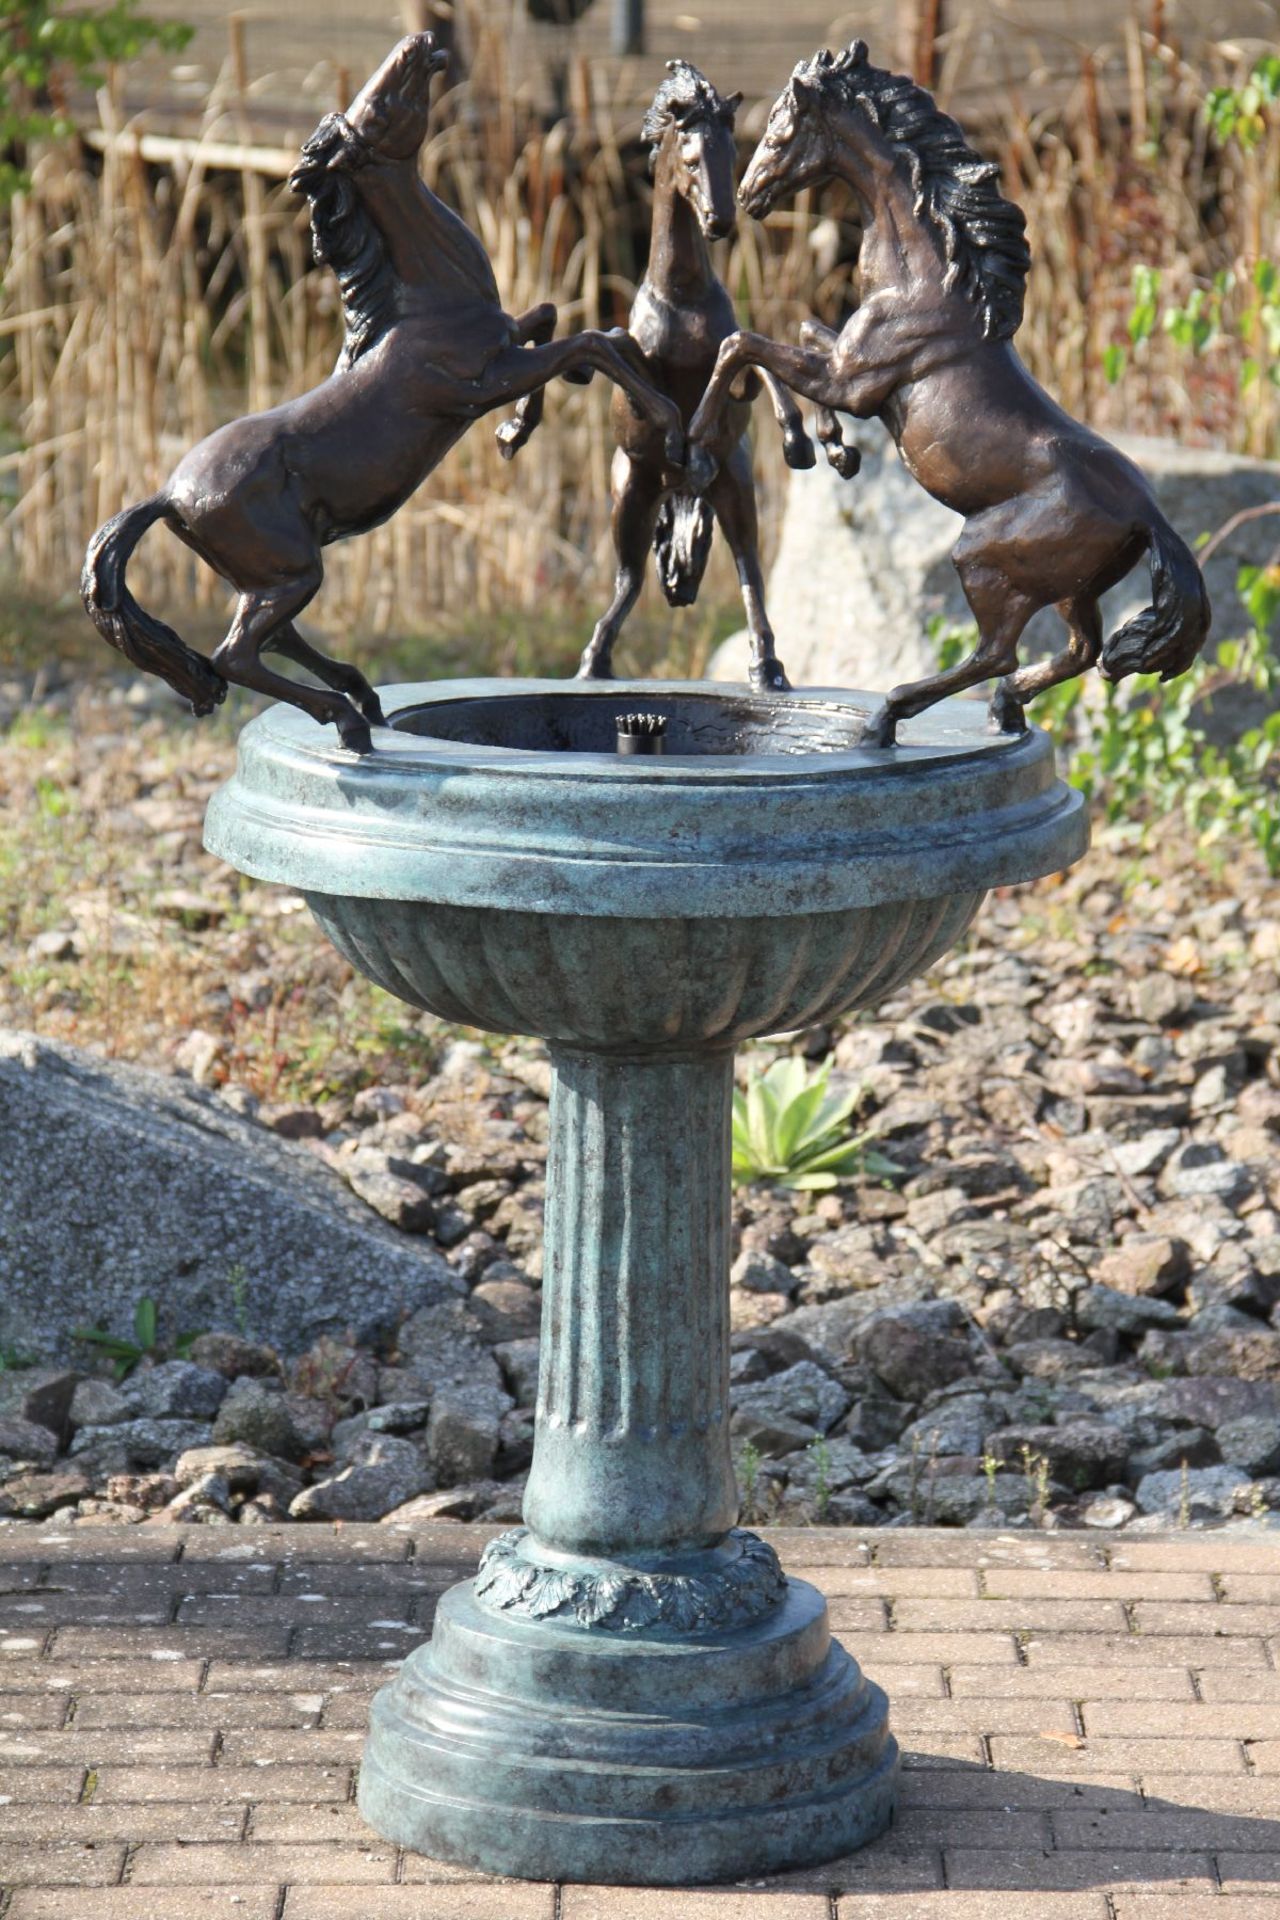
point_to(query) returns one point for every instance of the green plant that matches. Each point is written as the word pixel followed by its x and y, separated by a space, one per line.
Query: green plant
pixel 146 1343
pixel 1145 751
pixel 990 1467
pixel 238 1283
pixel 12 1360
pixel 749 1478
pixel 820 1454
pixel 46 50
pixel 790 1131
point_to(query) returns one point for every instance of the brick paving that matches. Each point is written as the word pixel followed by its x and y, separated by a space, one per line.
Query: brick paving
pixel 1091 1729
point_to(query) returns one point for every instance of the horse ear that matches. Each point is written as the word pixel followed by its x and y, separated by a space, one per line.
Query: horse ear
pixel 856 53
pixel 732 104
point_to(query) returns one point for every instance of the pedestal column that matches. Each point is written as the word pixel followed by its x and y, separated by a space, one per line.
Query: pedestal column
pixel 632 1458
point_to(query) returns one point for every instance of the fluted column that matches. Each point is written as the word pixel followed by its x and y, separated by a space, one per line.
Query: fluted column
pixel 631 1456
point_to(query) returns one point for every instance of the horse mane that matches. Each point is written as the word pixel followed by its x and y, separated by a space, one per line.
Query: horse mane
pixel 983 235
pixel 685 96
pixel 344 235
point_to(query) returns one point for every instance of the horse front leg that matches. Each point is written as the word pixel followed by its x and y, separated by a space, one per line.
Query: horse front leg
pixel 842 458
pixel 804 371
pixel 797 447
pixel 534 328
pixel 518 371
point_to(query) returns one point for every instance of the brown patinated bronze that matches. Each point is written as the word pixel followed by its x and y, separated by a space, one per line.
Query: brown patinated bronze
pixel 1054 515
pixel 681 315
pixel 428 350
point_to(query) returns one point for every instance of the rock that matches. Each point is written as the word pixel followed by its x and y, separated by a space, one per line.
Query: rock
pixel 96 1403
pixel 1107 1512
pixel 147 1492
pixel 1213 1402
pixel 144 1443
pixel 464 1430
pixel 1105 1309
pixel 177 1389
pixel 205 1498
pixel 769 1431
pixel 231 1355
pixel 877 1420
pixel 1048 1359
pixel 519 1362
pixel 32 1496
pixel 1251 1355
pixel 42 1395
pixel 748 1309
pixel 442 1345
pixel 1201 1493
pixel 457 1503
pixel 256 1414
pixel 1081 1453
pixel 388 1185
pixel 157 1177
pixel 24 1440
pixel 803 1392
pixel 914 1350
pixel 506 1309
pixel 383 1474
pixel 244 1469
pixel 954 1426
pixel 1147 1264
pixel 862 566
pixel 1184 1446
pixel 1252 1444
pixel 1201 1170
pixel 758 1272
pixel 398 1416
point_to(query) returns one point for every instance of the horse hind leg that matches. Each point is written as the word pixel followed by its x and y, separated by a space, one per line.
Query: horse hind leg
pixel 335 673
pixel 1001 613
pixel 733 500
pixel 1084 644
pixel 636 499
pixel 259 615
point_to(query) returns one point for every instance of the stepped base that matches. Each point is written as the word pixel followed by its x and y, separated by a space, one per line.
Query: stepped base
pixel 557 1752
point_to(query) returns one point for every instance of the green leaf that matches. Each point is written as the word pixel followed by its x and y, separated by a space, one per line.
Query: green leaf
pixel 145 1322
pixel 1114 361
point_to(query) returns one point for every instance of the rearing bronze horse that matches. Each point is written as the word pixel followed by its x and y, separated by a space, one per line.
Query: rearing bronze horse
pixel 428 351
pixel 680 315
pixel 1054 515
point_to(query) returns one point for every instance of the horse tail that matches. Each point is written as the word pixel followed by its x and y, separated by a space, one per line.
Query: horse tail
pixel 143 640
pixel 1166 638
pixel 681 543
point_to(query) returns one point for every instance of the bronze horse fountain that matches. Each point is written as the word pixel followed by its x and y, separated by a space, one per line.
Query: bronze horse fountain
pixel 1054 515
pixel 428 351
pixel 679 318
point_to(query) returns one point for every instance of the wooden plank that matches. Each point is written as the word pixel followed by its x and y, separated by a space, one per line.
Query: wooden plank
pixel 303 55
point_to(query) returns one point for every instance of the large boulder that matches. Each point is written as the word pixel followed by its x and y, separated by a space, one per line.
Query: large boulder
pixel 863 565
pixel 121 1182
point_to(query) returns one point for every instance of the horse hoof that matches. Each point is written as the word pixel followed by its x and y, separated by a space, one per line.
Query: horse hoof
pixel 353 731
pixel 845 460
pixel 676 448
pixel 770 677
pixel 1006 714
pixel 881 728
pixel 371 707
pixel 594 669
pixel 797 451
pixel 510 436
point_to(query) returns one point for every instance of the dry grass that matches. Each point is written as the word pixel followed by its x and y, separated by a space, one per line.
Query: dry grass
pixel 143 306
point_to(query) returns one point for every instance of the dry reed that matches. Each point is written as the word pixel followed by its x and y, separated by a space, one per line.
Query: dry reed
pixel 145 304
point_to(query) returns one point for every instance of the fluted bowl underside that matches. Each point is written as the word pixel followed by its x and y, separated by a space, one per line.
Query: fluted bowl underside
pixel 657 986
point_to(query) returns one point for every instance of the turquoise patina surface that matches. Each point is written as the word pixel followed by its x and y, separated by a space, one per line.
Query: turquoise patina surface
pixel 631 1689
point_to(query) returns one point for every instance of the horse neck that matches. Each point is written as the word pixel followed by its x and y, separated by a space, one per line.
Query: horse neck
pixel 679 262
pixel 428 246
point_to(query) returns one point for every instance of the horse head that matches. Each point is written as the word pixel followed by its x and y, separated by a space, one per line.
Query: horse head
pixel 693 124
pixel 795 149
pixel 389 114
